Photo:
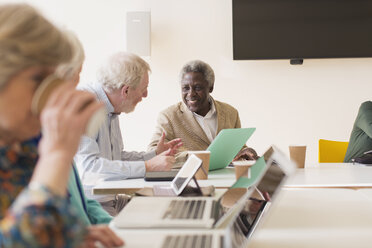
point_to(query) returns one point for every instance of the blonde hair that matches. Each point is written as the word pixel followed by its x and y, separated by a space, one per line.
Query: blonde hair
pixel 122 69
pixel 28 39
pixel 69 69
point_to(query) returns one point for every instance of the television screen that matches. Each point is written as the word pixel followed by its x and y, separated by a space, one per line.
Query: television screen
pixel 298 29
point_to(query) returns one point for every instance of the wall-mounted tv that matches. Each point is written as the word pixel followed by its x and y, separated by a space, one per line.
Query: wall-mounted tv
pixel 300 29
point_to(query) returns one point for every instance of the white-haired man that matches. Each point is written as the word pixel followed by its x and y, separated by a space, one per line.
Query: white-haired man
pixel 122 83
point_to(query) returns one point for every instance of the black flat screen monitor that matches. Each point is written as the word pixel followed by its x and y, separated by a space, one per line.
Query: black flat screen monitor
pixel 299 29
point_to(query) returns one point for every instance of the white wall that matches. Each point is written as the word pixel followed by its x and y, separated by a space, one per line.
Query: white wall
pixel 288 104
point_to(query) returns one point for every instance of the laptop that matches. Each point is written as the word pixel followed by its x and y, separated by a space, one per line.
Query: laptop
pixel 188 212
pixel 226 145
pixel 230 236
pixel 221 154
pixel 183 177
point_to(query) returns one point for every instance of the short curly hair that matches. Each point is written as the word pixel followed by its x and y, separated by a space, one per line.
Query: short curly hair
pixel 198 66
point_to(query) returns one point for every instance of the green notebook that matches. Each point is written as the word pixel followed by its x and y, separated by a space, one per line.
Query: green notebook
pixel 226 145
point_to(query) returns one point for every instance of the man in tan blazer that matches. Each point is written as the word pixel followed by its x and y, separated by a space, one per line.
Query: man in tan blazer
pixel 198 118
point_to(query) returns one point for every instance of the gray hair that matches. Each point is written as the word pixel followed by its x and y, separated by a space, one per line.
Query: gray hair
pixel 199 66
pixel 28 39
pixel 122 69
pixel 69 69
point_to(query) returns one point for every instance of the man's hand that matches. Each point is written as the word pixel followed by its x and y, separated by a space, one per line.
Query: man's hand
pixel 173 145
pixel 102 234
pixel 246 154
pixel 161 162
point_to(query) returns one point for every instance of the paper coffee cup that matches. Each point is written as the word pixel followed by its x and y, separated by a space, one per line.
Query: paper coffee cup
pixel 297 153
pixel 242 168
pixel 202 173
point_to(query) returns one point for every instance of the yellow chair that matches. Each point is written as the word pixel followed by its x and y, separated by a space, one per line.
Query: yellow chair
pixel 332 151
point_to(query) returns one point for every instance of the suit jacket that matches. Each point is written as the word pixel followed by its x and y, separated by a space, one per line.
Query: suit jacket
pixel 177 121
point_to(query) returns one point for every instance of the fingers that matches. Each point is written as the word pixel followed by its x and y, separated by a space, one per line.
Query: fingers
pixel 173 142
pixel 161 141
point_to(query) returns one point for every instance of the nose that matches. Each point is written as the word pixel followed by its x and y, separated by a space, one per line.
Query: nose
pixel 191 92
pixel 144 95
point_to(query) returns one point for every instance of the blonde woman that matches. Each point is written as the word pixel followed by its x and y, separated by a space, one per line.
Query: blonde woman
pixel 38 215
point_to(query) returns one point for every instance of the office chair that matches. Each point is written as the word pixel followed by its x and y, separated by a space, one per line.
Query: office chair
pixel 332 151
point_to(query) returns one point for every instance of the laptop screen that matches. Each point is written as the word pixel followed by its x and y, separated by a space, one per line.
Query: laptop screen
pixel 267 188
pixel 185 174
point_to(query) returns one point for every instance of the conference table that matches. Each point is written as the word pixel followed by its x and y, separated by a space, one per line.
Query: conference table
pixel 323 205
pixel 302 217
pixel 220 179
pixel 323 175
pixel 315 217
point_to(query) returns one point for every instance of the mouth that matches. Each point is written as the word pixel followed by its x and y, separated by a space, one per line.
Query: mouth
pixel 193 101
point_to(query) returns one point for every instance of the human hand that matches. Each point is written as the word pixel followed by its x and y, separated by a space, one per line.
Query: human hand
pixel 63 121
pixel 161 162
pixel 163 146
pixel 102 234
pixel 246 154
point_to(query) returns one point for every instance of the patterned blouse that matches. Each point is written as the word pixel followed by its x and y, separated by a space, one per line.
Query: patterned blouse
pixel 32 216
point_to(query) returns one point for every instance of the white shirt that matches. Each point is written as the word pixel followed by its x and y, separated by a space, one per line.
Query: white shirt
pixel 103 158
pixel 208 122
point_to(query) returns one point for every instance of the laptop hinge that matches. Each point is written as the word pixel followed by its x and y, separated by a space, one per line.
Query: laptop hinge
pixel 198 189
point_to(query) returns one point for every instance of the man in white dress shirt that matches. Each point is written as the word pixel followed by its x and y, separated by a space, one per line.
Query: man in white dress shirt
pixel 122 83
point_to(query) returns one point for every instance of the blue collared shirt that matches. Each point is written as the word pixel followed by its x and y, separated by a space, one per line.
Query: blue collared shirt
pixel 103 158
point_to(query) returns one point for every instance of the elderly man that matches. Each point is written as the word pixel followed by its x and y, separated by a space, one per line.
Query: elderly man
pixel 122 83
pixel 199 118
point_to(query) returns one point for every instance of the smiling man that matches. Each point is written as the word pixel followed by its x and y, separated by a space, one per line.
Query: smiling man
pixel 198 118
pixel 122 83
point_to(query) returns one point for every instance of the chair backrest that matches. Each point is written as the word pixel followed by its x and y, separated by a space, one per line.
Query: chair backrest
pixel 332 151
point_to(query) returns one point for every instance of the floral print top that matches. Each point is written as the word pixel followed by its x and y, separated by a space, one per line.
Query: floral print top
pixel 32 216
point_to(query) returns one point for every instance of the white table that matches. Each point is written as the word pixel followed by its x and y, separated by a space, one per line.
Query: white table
pixel 332 175
pixel 223 178
pixel 317 218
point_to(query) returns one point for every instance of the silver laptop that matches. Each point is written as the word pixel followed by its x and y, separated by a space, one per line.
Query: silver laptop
pixel 181 180
pixel 188 212
pixel 229 236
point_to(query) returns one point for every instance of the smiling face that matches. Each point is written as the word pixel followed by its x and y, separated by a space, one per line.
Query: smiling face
pixel 17 123
pixel 195 92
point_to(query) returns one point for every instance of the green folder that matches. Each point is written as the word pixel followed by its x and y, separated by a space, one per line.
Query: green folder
pixel 256 171
pixel 226 146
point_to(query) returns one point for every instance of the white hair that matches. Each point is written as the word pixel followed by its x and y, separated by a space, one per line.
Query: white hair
pixel 68 70
pixel 122 69
pixel 28 39
pixel 198 66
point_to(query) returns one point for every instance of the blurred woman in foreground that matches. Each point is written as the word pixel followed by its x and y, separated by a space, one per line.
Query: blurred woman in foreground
pixel 38 215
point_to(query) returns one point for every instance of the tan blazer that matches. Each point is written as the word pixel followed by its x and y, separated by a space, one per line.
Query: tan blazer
pixel 177 121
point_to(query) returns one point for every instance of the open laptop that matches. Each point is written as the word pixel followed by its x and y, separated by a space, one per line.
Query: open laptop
pixel 183 177
pixel 198 212
pixel 223 150
pixel 226 146
pixel 230 236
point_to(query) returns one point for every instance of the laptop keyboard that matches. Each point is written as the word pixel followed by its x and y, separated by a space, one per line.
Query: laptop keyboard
pixel 185 209
pixel 192 241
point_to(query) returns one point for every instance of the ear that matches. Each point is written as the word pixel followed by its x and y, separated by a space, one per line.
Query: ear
pixel 211 89
pixel 124 91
